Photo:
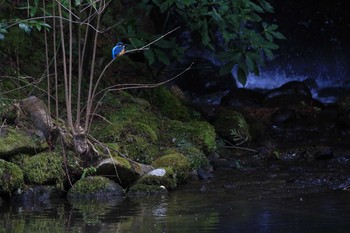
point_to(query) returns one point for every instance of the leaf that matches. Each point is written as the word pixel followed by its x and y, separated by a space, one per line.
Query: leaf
pixel 163 57
pixel 33 11
pixel 165 44
pixel 268 53
pixel 164 6
pixel 187 2
pixel 241 76
pixel 226 69
pixel 256 8
pixel 268 36
pixel 249 62
pixel 204 33
pixel 149 54
pixel 266 6
pixel 278 35
pixel 215 15
pixel 272 27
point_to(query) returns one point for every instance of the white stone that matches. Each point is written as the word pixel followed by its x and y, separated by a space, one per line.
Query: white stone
pixel 157 172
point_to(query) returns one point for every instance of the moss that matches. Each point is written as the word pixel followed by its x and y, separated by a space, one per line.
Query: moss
pixel 16 141
pixel 11 177
pixel 89 185
pixel 200 133
pixel 94 186
pixel 121 170
pixel 177 162
pixel 168 180
pixel 143 135
pixel 232 125
pixel 168 104
pixel 140 149
pixel 146 189
pixel 196 157
pixel 130 118
pixel 44 168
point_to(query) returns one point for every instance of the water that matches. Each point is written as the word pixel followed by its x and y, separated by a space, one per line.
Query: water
pixel 185 210
pixel 329 70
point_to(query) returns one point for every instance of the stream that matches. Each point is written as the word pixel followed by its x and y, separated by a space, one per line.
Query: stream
pixel 195 207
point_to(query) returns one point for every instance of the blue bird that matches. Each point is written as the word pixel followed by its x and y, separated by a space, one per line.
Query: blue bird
pixel 118 50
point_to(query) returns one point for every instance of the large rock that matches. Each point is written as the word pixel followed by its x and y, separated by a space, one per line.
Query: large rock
pixel 293 93
pixel 241 97
pixel 123 171
pixel 231 125
pixel 95 187
pixel 44 169
pixel 14 141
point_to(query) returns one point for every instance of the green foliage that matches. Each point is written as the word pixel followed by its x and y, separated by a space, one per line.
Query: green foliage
pixel 235 30
pixel 88 172
pixel 232 126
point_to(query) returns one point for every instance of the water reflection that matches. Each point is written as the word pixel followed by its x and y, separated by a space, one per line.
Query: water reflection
pixel 184 212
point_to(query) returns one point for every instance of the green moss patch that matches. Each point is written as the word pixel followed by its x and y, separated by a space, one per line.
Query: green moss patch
pixel 168 104
pixel 232 125
pixel 44 168
pixel 177 162
pixel 199 133
pixel 16 141
pixel 11 177
pixel 95 186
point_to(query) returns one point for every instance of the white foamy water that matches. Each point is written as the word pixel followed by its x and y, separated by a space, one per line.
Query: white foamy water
pixel 328 89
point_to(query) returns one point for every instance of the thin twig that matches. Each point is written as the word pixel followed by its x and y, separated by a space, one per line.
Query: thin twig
pixel 238 147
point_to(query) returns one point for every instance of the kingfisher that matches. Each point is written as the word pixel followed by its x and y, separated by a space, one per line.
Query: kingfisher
pixel 118 50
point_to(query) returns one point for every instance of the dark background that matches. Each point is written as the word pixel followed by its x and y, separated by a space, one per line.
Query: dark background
pixel 317 35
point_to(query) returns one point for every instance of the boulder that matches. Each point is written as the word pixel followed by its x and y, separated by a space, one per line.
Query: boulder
pixel 95 187
pixel 123 171
pixel 292 93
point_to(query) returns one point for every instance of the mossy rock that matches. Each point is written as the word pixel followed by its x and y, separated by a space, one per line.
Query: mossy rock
pixel 140 149
pixel 11 177
pixel 231 125
pixel 196 157
pixel 168 104
pixel 198 133
pixel 45 168
pixel 14 141
pixel 129 118
pixel 167 179
pixel 121 170
pixel 177 162
pixel 95 187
